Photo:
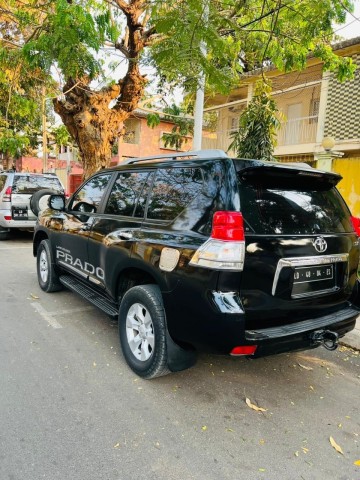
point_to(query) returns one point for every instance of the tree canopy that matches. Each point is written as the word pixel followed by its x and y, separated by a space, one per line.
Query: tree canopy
pixel 67 40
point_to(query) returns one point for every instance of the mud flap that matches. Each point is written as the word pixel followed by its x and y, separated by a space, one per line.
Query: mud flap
pixel 178 357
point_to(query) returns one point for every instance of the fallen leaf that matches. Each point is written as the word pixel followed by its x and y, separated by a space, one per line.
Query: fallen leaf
pixel 117 445
pixel 305 367
pixel 229 430
pixel 296 453
pixel 262 470
pixel 204 427
pixel 254 407
pixel 304 449
pixel 35 297
pixel 336 446
pixel 357 463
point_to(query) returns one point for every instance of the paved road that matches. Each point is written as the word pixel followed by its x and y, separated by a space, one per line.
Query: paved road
pixel 70 409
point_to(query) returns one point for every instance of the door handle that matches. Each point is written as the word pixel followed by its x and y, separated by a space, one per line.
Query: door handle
pixel 125 235
pixel 85 228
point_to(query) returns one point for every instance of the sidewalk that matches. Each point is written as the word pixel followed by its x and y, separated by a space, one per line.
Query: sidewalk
pixel 352 339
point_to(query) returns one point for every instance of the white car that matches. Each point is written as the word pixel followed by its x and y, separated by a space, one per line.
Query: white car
pixel 22 196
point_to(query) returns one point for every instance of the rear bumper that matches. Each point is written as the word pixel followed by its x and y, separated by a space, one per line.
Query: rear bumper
pixel 15 223
pixel 217 323
pixel 297 336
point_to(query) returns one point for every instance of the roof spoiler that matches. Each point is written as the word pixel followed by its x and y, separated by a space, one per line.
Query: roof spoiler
pixel 300 174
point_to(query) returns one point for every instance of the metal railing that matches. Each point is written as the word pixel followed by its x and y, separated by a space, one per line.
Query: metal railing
pixel 298 131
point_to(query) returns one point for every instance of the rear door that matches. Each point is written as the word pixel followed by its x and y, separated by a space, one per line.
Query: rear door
pixel 24 186
pixel 115 232
pixel 301 248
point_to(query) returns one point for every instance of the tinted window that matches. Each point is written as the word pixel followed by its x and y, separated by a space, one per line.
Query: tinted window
pixel 91 193
pixel 293 210
pixel 173 190
pixel 125 193
pixel 33 183
pixel 2 181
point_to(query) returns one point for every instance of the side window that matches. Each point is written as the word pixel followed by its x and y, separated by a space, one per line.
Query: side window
pixel 173 190
pixel 127 189
pixel 88 198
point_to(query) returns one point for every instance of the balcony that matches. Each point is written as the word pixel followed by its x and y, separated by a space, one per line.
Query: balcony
pixel 298 131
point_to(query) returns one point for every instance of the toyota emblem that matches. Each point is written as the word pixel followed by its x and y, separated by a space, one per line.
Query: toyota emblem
pixel 320 244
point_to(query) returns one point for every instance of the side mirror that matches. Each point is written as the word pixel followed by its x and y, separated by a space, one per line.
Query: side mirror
pixel 57 202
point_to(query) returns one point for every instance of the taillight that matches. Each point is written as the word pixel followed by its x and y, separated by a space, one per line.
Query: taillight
pixel 7 195
pixel 356 224
pixel 225 249
pixel 228 226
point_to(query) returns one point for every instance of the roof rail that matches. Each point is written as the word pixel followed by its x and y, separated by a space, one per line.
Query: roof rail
pixel 208 154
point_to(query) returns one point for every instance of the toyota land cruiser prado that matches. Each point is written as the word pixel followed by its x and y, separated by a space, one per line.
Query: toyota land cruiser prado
pixel 21 197
pixel 198 251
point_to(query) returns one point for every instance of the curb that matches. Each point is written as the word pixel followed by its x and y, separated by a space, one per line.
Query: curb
pixel 352 339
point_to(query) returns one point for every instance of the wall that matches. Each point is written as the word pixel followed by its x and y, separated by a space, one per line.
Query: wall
pixel 342 120
pixel 148 141
pixel 349 186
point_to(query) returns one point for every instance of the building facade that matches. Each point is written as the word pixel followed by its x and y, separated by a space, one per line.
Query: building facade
pixel 314 106
pixel 141 140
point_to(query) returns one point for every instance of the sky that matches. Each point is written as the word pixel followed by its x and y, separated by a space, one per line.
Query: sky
pixel 352 27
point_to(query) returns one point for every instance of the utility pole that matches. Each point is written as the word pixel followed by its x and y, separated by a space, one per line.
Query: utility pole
pixel 200 92
pixel 199 112
pixel 44 133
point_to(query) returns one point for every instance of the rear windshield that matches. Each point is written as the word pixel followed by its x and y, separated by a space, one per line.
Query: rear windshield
pixel 33 183
pixel 293 210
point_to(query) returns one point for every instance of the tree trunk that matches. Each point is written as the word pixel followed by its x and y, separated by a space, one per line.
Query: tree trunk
pixel 93 125
pixel 94 118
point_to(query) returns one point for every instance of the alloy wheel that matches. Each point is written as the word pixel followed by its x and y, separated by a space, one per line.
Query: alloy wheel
pixel 43 266
pixel 140 332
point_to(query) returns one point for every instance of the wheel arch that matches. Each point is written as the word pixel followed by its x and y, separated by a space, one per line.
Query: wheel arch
pixel 38 237
pixel 131 277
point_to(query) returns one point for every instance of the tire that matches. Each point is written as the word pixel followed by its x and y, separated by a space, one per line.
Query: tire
pixel 47 277
pixel 142 330
pixel 4 233
pixel 38 201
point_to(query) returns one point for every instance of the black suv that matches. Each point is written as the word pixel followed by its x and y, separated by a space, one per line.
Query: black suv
pixel 199 251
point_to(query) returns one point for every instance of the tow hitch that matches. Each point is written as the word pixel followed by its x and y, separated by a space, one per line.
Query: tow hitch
pixel 326 338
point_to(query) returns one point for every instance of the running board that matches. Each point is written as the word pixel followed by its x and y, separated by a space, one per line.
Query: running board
pixel 100 301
